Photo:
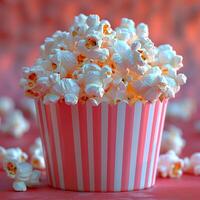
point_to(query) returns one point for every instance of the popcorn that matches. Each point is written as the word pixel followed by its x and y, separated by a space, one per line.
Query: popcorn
pixel 146 72
pixel 89 48
pixel 170 165
pixel 126 30
pixel 172 140
pixel 23 174
pixel 65 88
pixel 6 105
pixel 142 30
pixel 166 55
pixel 181 109
pixel 37 157
pixel 192 164
pixel 64 61
pixel 94 79
pixel 16 167
pixel 15 124
pixel 13 153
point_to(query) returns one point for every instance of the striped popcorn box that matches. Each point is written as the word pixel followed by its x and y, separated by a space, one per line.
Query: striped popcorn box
pixel 101 148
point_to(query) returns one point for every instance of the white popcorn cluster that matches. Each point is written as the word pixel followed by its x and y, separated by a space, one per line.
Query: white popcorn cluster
pixel 12 154
pixel 192 164
pixel 37 157
pixel 97 63
pixel 15 124
pixel 170 165
pixel 16 167
pixel 182 109
pixel 172 140
pixel 6 106
pixel 12 121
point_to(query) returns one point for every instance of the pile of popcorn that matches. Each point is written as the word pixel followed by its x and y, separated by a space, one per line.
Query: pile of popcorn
pixel 172 139
pixel 15 164
pixel 170 165
pixel 93 62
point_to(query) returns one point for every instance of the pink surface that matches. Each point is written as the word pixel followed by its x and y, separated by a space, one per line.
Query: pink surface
pixel 185 188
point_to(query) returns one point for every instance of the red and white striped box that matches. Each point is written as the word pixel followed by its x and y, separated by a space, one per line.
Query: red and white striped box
pixel 101 148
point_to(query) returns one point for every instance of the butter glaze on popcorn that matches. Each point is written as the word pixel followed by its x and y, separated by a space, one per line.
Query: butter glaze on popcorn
pixel 97 63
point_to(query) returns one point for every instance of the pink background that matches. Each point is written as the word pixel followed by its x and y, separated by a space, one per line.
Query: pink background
pixel 25 24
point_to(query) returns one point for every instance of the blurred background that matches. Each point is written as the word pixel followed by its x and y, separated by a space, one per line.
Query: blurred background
pixel 25 24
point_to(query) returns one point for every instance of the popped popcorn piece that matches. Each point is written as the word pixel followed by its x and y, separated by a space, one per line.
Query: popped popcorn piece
pixel 64 61
pixel 151 85
pixel 172 140
pixel 192 164
pixel 65 88
pixel 181 109
pixel 6 106
pixel 127 51
pixel 15 124
pixel 37 156
pixel 23 174
pixel 12 153
pixel 126 31
pixel 170 165
pixel 142 30
pixel 166 55
pixel 94 79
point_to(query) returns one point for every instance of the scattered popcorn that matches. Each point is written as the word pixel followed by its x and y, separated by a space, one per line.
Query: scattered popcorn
pixel 16 167
pixel 37 157
pixel 172 140
pixel 12 153
pixel 192 164
pixel 170 165
pixel 15 124
pixel 93 62
pixel 23 174
pixel 181 109
pixel 6 105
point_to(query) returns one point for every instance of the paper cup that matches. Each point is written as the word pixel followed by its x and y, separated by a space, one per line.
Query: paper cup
pixel 101 148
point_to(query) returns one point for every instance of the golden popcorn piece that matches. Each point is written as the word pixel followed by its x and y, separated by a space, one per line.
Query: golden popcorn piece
pixel 91 42
pixel 11 168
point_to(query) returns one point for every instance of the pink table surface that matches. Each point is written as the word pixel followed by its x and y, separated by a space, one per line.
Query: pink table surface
pixel 185 188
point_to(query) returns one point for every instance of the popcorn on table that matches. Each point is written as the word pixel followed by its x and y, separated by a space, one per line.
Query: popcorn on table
pixel 14 124
pixel 94 62
pixel 12 153
pixel 181 109
pixel 37 156
pixel 16 167
pixel 170 165
pixel 172 140
pixel 23 174
pixel 192 164
pixel 6 106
